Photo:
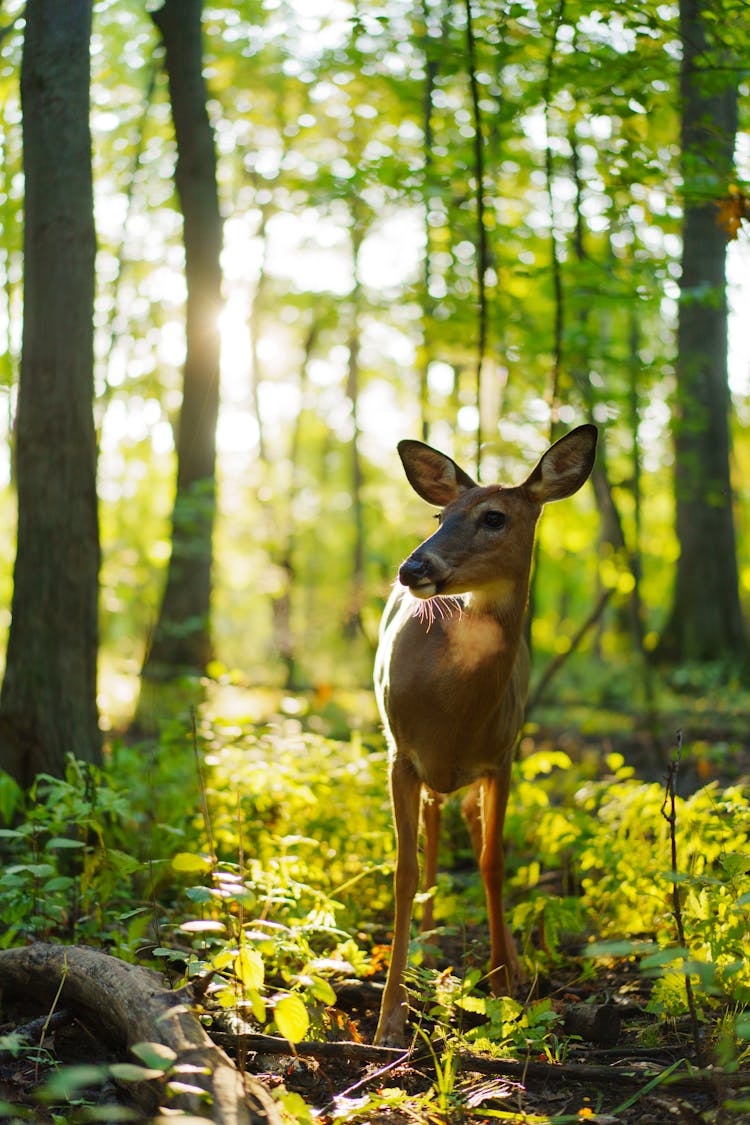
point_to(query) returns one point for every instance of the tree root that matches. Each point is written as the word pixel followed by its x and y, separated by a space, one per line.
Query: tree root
pixel 128 1004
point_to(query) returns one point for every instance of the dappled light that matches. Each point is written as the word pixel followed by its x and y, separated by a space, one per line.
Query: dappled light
pixel 245 251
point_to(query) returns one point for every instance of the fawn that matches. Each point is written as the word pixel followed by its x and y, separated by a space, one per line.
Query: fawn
pixel 452 680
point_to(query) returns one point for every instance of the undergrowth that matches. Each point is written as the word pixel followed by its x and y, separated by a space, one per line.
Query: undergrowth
pixel 268 865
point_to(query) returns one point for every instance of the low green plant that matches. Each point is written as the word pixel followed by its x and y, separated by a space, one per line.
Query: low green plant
pixel 62 876
pixel 262 967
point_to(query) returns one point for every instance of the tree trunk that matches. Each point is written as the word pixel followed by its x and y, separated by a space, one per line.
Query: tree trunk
pixel 705 622
pixel 48 702
pixel 353 620
pixel 182 638
pixel 284 632
pixel 424 355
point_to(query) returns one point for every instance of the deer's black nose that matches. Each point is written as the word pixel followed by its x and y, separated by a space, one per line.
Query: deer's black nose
pixel 414 570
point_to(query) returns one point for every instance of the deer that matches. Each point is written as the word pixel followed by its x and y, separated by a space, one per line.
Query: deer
pixel 451 682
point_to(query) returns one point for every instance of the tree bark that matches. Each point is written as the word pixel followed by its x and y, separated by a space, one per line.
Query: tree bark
pixel 705 622
pixel 182 637
pixel 48 701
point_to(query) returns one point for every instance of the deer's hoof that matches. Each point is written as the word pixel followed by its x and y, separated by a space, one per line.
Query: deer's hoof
pixel 391 1029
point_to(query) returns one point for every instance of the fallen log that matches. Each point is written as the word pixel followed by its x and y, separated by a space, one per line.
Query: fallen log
pixel 129 1004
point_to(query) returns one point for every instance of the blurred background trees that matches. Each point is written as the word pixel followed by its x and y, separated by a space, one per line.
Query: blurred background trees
pixel 467 222
pixel 182 637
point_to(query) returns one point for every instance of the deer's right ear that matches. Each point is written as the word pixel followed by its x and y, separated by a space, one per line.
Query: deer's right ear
pixel 564 467
pixel 432 475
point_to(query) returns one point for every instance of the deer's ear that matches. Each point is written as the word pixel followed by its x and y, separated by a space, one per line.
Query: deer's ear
pixel 432 475
pixel 564 467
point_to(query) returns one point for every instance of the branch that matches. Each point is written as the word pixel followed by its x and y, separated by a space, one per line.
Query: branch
pixel 478 1064
pixel 558 661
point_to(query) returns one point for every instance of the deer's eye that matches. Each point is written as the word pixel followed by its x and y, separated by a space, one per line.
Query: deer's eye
pixel 493 519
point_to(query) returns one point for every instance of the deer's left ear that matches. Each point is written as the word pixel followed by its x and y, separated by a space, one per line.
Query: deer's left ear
pixel 564 467
pixel 433 475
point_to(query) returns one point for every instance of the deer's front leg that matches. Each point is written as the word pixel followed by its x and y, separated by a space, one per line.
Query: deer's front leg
pixel 432 804
pixel 405 793
pixel 505 969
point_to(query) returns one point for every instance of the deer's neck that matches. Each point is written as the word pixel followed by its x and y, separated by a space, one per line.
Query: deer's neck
pixel 505 601
pixel 488 630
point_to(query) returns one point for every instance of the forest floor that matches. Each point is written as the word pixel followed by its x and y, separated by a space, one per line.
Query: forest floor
pixel 604 1074
pixel 607 1057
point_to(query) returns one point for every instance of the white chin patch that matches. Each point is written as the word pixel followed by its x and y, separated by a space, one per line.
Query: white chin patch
pixel 428 590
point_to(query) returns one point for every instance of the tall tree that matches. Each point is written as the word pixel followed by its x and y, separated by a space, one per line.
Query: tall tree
pixel 705 622
pixel 48 701
pixel 182 638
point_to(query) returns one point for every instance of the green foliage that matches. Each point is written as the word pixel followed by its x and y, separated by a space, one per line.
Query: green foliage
pixel 627 868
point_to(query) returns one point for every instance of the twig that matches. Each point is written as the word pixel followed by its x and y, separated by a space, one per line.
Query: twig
pixel 557 662
pixel 275 1045
pixel 402 1057
pixel 671 819
pixel 48 1021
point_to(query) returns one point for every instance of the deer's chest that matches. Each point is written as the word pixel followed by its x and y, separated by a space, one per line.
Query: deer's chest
pixel 454 697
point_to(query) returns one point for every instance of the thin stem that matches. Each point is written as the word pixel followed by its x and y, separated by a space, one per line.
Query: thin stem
pixel 481 243
pixel 671 819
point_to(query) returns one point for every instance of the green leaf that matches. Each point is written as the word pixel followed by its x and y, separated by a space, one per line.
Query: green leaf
pixel 188 1088
pixel 191 863
pixel 476 1004
pixel 223 959
pixel 295 1107
pixel 155 1055
pixel 59 883
pixel 203 926
pixel 131 1072
pixel 198 894
pixel 67 1081
pixel 257 1004
pixel 619 948
pixel 249 968
pixel 664 957
pixel 735 863
pixel 38 870
pixel 292 1020
pixel 321 990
